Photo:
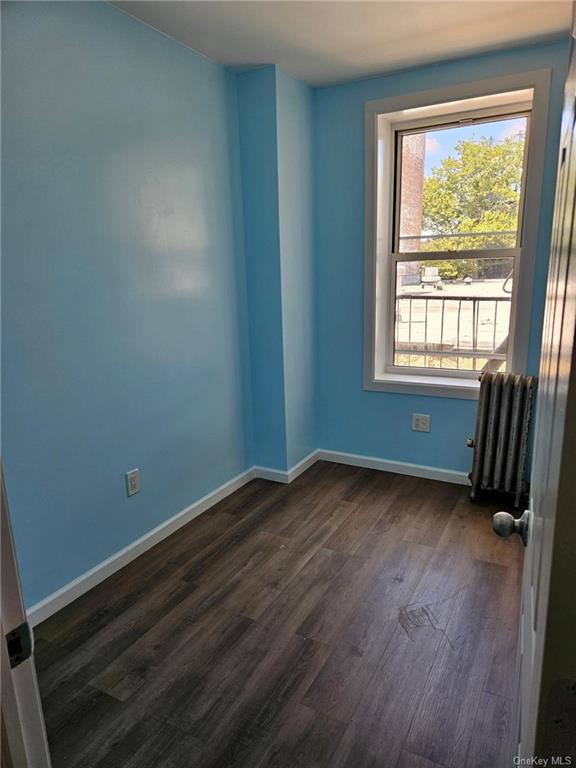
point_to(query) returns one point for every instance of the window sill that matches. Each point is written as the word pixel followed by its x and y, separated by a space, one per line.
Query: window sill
pixel 431 386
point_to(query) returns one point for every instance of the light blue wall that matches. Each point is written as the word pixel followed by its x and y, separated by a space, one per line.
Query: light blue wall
pixel 124 325
pixel 296 210
pixel 378 424
pixel 259 162
pixel 182 278
pixel 276 139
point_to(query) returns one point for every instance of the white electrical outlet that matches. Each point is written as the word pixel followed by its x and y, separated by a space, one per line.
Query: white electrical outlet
pixel 421 422
pixel 133 482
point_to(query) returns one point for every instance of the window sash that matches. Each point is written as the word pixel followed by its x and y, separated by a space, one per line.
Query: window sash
pixel 454 122
pixel 389 318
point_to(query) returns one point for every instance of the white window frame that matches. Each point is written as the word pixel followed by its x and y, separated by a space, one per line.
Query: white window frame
pixel 379 303
pixel 510 110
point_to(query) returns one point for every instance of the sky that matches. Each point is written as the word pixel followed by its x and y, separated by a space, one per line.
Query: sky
pixel 440 144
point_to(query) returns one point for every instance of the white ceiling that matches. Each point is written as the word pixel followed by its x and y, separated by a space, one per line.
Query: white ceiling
pixel 327 42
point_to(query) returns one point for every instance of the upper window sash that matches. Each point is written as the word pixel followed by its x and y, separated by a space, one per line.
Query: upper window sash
pixel 456 120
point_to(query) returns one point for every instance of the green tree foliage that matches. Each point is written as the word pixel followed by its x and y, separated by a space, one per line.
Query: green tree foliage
pixel 475 190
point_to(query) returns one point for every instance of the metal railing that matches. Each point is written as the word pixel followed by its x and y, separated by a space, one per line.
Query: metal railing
pixel 453 326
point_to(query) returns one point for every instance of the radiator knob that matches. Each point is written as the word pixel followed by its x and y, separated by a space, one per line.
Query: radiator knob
pixel 505 525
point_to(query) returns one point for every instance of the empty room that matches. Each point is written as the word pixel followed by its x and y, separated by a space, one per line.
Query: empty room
pixel 288 384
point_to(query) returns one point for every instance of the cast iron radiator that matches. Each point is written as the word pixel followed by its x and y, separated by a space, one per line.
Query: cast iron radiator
pixel 502 441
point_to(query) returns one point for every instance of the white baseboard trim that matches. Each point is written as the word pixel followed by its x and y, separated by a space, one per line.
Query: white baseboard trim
pixel 74 589
pixel 275 475
pixel 286 476
pixel 399 467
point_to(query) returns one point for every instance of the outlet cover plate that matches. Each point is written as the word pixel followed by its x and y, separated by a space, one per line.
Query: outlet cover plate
pixel 133 482
pixel 421 422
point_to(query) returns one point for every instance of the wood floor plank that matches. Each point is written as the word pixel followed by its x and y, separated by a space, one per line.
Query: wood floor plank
pixel 234 729
pixel 183 682
pixel 305 739
pixel 79 730
pixel 387 709
pixel 222 577
pixel 408 760
pixel 288 560
pixel 396 508
pixel 314 523
pixel 204 701
pixel 286 614
pixel 491 745
pixel 431 513
pixel 362 483
pixel 81 664
pixel 501 678
pixel 181 629
pixel 353 663
pixel 350 619
pixel 328 618
pixel 150 743
pixel 441 730
pixel 182 752
pixel 84 617
pixel 232 550
pixel 246 499
pixel 392 695
pixel 348 537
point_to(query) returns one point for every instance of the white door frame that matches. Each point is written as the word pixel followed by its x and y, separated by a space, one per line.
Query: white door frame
pixel 22 718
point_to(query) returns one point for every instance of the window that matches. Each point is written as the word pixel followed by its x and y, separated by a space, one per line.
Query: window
pixel 456 240
pixel 450 243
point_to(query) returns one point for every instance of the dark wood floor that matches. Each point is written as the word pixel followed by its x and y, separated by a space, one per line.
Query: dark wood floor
pixel 353 619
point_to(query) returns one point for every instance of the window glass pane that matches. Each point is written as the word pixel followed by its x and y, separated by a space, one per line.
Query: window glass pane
pixel 453 314
pixel 460 187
